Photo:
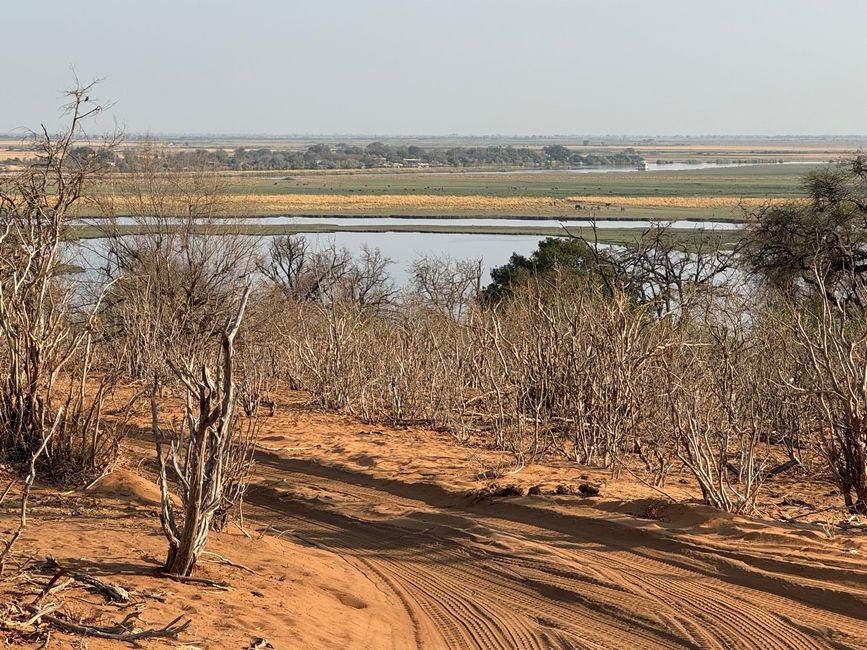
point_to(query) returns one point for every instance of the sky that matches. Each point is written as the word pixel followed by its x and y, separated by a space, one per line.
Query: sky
pixel 469 67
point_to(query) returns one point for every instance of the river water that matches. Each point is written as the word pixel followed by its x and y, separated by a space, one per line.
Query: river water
pixel 402 248
pixel 493 250
pixel 459 222
pixel 652 167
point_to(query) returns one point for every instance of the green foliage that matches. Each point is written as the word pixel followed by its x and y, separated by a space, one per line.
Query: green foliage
pixel 557 153
pixel 376 155
pixel 570 257
pixel 793 245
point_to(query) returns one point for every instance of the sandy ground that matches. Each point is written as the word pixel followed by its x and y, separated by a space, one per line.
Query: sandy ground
pixel 367 536
pixel 290 594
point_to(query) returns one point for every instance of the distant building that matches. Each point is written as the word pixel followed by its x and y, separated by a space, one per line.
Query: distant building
pixel 414 162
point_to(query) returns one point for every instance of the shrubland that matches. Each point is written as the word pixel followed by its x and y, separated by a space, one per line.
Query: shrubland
pixel 732 363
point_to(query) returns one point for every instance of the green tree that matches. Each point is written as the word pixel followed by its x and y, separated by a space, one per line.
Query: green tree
pixel 557 153
pixel 569 256
pixel 827 233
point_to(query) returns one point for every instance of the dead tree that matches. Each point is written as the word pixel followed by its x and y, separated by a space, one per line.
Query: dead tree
pixel 446 284
pixel 45 339
pixel 304 274
pixel 181 271
pixel 203 455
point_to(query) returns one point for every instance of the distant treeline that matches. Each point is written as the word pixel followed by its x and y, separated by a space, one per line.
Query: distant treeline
pixel 378 155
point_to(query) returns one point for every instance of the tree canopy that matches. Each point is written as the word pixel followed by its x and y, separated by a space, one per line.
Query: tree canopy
pixel 569 256
pixel 823 236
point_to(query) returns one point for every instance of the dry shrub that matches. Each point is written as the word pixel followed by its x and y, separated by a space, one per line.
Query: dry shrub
pixel 46 319
pixel 658 362
pixel 578 370
pixel 210 455
pixel 834 342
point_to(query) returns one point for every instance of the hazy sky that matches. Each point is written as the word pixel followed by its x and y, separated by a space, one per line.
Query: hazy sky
pixel 445 66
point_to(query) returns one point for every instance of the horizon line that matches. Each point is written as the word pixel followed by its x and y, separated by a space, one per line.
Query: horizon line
pixel 264 135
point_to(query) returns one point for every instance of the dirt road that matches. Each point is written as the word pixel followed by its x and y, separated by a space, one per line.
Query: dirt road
pixel 546 573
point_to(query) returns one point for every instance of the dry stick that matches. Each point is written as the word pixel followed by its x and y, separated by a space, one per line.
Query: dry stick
pixel 42 612
pixel 276 449
pixel 280 533
pixel 204 581
pixel 223 560
pixel 108 470
pixel 28 483
pixel 643 482
pixel 52 586
pixel 28 626
pixel 136 396
pixel 110 591
pixel 46 642
pixel 243 530
pixel 6 491
pixel 117 633
pixel 813 512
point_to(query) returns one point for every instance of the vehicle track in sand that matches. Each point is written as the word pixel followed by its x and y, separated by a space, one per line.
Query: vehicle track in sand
pixel 509 574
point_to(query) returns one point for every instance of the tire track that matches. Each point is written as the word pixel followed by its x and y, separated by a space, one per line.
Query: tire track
pixel 476 579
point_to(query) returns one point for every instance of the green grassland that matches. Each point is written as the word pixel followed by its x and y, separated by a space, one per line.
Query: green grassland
pixel 258 193
pixel 747 181
pixel 752 182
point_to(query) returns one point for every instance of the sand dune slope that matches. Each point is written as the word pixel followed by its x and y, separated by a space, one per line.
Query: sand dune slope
pixel 363 536
pixel 526 572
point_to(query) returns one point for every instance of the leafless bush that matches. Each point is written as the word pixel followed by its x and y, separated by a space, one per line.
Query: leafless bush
pixel 209 455
pixel 567 372
pixel 415 359
pixel 329 274
pixel 674 272
pixel 326 352
pixel 662 362
pixel 302 273
pixel 46 332
pixel 581 370
pixel 714 417
pixel 445 283
pixel 178 276
pixel 9 543
pixel 835 342
pixel 536 374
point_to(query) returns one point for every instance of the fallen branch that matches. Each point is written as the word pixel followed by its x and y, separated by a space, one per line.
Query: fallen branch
pixel 278 449
pixel 788 501
pixel 243 530
pixel 779 469
pixel 813 512
pixel 110 591
pixel 108 470
pixel 204 581
pixel 29 626
pixel 53 586
pixel 119 633
pixel 222 560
